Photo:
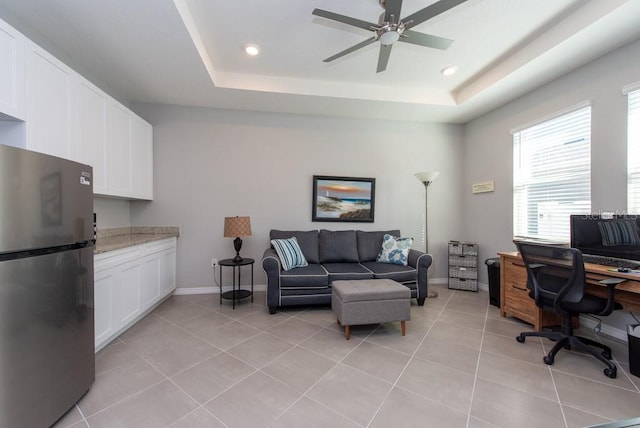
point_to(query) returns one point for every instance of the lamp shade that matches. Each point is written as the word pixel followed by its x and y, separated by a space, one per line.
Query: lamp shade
pixel 237 226
pixel 427 176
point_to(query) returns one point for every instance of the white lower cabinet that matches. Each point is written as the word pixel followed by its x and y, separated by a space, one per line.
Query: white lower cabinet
pixel 129 283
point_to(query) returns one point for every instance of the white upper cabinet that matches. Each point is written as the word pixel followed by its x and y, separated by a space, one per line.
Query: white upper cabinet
pixel 118 151
pixel 116 142
pixel 142 158
pixel 11 73
pixel 67 116
pixel 50 104
pixel 92 132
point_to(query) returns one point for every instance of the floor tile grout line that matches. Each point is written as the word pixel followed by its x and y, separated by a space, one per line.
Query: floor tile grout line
pixel 475 375
pixel 370 335
pixel 201 406
pixel 339 362
pixel 375 413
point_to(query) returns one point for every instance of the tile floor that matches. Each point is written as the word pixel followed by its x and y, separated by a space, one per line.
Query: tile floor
pixel 195 363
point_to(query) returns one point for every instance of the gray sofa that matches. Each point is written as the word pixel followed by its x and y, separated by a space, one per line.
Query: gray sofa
pixel 337 255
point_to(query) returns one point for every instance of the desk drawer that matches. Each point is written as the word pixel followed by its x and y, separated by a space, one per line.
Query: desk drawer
pixel 518 302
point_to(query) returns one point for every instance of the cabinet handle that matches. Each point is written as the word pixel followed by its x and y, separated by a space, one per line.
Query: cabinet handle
pixel 519 288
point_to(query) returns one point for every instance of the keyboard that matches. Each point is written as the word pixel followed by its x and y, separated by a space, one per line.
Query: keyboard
pixel 611 261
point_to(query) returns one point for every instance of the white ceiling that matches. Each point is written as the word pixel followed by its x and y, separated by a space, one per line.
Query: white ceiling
pixel 189 52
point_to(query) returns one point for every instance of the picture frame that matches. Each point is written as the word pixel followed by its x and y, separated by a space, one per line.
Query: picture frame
pixel 343 199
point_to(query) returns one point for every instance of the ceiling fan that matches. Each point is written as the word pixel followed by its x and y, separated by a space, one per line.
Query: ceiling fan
pixel 391 28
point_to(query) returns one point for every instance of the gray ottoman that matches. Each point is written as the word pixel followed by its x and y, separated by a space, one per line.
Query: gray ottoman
pixel 370 301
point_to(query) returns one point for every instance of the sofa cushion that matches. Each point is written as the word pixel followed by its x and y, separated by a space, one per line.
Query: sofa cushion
pixel 289 253
pixel 370 243
pixel 338 246
pixel 308 241
pixel 311 276
pixel 389 271
pixel 339 271
pixel 619 232
pixel 395 250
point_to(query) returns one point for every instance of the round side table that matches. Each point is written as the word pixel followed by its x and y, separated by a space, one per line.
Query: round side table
pixel 239 293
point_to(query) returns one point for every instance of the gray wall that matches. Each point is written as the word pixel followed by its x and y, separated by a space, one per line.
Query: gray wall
pixel 488 146
pixel 212 163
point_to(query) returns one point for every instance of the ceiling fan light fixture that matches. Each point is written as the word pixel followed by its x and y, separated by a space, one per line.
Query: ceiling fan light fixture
pixel 449 70
pixel 389 37
pixel 251 49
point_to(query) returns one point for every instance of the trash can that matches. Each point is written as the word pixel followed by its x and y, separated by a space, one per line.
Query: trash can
pixel 633 334
pixel 493 268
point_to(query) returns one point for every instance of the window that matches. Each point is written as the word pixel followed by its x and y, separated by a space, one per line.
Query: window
pixel 633 153
pixel 552 175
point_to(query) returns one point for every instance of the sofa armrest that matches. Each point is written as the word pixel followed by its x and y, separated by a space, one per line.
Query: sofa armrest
pixel 421 262
pixel 272 267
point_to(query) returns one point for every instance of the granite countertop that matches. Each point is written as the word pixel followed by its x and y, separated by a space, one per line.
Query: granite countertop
pixel 123 237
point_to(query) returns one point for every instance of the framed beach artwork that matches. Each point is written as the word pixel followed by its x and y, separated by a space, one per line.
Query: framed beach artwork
pixel 343 199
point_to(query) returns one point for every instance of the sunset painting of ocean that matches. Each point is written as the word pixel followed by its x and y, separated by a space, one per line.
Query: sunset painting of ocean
pixel 338 199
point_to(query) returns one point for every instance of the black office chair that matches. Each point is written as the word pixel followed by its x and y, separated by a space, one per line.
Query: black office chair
pixel 557 280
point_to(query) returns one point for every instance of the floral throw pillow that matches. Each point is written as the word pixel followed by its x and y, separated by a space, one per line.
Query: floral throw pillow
pixel 395 250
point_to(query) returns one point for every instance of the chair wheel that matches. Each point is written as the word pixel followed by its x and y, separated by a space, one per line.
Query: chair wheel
pixel 606 354
pixel 520 338
pixel 612 373
pixel 548 360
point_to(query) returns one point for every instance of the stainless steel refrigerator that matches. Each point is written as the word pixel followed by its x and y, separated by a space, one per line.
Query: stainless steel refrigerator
pixel 47 359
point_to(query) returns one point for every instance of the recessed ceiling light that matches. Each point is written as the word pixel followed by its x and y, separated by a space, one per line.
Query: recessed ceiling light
pixel 448 71
pixel 251 49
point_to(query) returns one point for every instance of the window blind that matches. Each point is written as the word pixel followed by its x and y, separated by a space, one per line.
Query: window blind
pixel 633 153
pixel 551 175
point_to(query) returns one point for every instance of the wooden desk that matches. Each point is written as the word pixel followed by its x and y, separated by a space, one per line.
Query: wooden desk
pixel 515 300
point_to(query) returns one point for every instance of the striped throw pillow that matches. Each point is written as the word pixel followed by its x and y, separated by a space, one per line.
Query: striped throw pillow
pixel 289 252
pixel 619 232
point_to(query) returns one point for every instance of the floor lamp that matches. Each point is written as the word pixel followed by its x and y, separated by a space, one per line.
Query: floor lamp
pixel 427 178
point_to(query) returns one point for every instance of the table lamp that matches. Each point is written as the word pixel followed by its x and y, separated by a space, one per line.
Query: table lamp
pixel 237 227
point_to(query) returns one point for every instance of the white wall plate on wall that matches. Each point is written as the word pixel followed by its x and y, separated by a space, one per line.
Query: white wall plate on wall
pixel 482 187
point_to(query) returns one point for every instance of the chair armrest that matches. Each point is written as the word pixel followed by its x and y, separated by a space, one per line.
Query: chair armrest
pixel 272 267
pixel 421 262
pixel 611 284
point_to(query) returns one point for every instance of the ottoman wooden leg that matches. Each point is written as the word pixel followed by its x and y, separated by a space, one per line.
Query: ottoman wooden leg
pixel 347 331
pixel 403 325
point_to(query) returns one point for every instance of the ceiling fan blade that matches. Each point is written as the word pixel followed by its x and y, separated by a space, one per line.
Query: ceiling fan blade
pixel 383 58
pixel 344 19
pixel 351 49
pixel 429 12
pixel 392 8
pixel 426 40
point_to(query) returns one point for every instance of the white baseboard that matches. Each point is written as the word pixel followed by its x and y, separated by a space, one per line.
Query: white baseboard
pixel 445 281
pixel 183 291
pixel 605 329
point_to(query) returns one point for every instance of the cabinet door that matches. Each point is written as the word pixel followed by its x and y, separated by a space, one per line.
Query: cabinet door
pixel 12 91
pixel 104 314
pixel 50 104
pixel 92 132
pixel 168 271
pixel 127 292
pixel 118 150
pixel 150 291
pixel 141 158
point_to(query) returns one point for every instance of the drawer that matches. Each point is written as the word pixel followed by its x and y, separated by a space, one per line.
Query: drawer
pixel 463 272
pixel 515 273
pixel 466 261
pixel 518 302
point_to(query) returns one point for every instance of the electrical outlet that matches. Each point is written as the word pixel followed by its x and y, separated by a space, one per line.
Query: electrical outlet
pixel 214 262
